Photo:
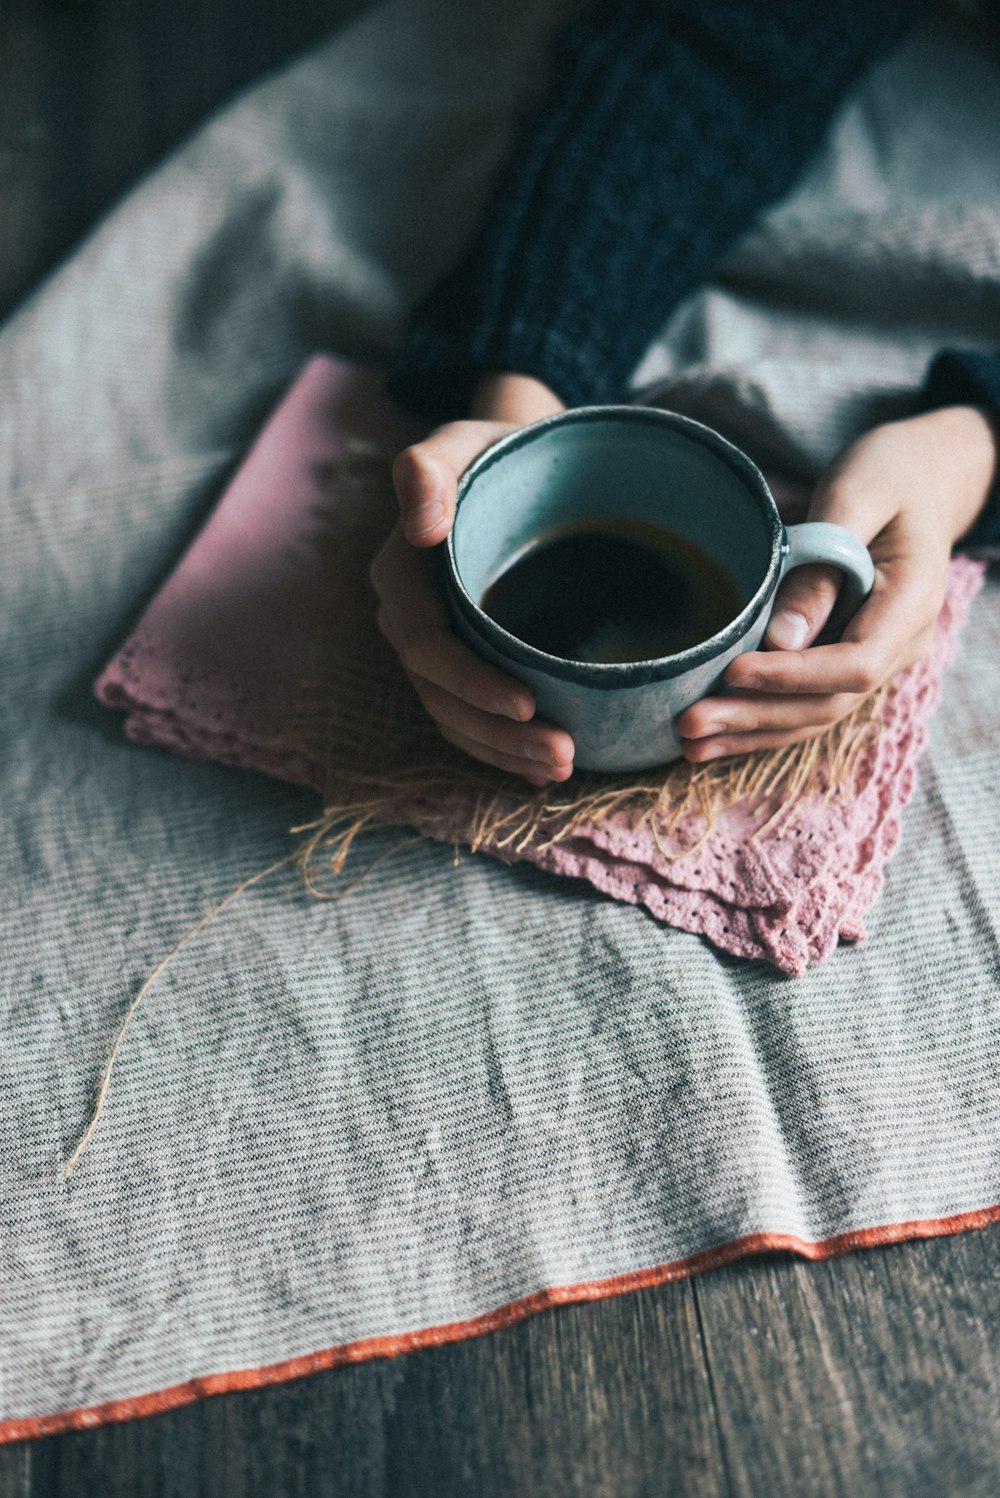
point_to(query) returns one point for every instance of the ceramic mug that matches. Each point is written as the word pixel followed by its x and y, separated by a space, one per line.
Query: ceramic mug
pixel 649 465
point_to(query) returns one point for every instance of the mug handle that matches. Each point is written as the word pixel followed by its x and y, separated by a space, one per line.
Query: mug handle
pixel 836 546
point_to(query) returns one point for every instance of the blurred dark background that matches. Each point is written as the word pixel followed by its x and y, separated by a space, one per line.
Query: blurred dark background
pixel 93 92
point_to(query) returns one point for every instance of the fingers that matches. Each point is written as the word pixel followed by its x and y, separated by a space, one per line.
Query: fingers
pixel 429 651
pixel 537 742
pixel 413 618
pixel 699 751
pixel 426 476
pixel 883 636
pixel 739 723
pixel 802 607
pixel 512 764
pixel 535 750
pixel 479 709
pixel 902 489
pixel 757 713
pixel 782 697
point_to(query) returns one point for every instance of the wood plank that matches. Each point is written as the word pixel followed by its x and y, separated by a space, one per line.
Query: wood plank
pixel 608 1400
pixel 874 1374
pixel 877 1373
pixel 16 1465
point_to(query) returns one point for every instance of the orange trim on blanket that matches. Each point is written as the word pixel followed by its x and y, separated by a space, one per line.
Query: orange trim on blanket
pixel 178 1395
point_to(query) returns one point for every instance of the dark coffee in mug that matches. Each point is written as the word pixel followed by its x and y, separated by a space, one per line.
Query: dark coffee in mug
pixel 652 478
pixel 612 590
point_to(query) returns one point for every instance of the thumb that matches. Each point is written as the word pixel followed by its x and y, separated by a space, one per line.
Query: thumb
pixel 426 476
pixel 802 607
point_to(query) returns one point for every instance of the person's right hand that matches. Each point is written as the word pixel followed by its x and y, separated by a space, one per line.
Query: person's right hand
pixel 477 707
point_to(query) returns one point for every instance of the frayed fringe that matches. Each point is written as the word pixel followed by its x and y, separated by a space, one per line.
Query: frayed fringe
pixel 453 799
pixel 457 801
pixel 382 762
pixel 303 857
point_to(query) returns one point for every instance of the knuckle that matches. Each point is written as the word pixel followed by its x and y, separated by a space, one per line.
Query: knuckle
pixel 834 708
pixel 376 573
pixel 409 653
pixel 448 734
pixel 406 474
pixel 403 466
pixel 810 596
pixel 419 652
pixel 865 677
pixel 694 721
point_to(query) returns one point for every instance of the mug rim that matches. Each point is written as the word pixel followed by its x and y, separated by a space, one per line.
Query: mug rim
pixel 619 673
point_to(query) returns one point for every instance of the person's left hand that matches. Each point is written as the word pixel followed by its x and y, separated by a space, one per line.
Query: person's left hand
pixel 909 490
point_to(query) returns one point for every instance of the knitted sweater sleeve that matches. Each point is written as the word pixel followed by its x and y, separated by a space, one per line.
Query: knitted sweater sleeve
pixel 667 126
pixel 961 378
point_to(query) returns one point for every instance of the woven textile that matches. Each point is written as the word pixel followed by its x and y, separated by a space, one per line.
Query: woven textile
pixel 340 1129
pixel 271 606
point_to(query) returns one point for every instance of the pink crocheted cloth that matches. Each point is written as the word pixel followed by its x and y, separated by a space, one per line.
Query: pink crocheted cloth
pixel 214 669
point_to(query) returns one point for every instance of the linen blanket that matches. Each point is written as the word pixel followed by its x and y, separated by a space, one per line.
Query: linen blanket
pixel 261 649
pixel 462 1093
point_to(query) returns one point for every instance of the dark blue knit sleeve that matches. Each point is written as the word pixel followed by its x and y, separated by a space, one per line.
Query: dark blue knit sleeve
pixel 667 126
pixel 959 378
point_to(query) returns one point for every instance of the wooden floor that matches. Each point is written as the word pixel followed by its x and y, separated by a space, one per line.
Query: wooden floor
pixel 878 1373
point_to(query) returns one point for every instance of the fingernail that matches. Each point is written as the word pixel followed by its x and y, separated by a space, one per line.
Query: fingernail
pixel 708 730
pixel 788 630
pixel 543 754
pixel 425 517
pixel 714 751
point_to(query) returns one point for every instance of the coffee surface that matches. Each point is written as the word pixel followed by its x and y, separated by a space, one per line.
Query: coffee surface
pixel 612 591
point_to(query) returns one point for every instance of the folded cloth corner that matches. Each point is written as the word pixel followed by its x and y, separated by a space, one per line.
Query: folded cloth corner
pixel 262 650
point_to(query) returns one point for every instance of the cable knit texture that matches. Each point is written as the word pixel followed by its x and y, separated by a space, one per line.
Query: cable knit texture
pixel 462 1093
pixel 666 129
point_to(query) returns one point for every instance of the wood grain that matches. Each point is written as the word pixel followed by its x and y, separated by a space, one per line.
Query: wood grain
pixel 874 1374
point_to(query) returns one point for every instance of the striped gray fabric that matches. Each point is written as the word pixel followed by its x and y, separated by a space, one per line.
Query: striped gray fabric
pixel 461 1084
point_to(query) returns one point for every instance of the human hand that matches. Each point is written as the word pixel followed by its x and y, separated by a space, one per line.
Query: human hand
pixel 477 707
pixel 909 489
